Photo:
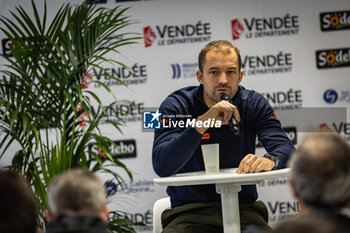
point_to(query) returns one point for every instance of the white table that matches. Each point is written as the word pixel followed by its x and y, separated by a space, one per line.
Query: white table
pixel 228 183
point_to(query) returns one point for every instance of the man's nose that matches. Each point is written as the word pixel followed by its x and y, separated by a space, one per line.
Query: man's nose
pixel 223 78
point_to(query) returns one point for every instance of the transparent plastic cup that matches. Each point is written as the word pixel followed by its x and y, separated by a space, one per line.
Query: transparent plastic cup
pixel 211 158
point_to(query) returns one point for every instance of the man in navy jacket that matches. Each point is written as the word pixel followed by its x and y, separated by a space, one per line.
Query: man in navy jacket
pixel 178 149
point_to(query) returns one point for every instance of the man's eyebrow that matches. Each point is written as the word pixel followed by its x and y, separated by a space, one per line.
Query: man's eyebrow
pixel 217 68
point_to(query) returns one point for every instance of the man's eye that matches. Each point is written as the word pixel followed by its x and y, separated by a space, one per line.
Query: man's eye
pixel 213 72
pixel 231 72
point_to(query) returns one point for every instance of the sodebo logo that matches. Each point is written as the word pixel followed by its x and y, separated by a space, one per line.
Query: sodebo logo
pixel 6 47
pixel 337 20
pixel 126 148
pixel 123 149
pixel 333 58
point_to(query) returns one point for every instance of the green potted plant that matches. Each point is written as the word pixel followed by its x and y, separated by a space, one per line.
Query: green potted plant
pixel 43 103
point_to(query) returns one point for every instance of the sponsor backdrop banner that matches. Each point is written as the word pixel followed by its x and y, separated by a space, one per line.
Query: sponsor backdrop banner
pixel 295 53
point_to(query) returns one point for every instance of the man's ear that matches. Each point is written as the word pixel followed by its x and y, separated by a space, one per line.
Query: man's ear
pixel 199 76
pixel 104 213
pixel 304 208
pixel 241 75
pixel 292 185
pixel 48 215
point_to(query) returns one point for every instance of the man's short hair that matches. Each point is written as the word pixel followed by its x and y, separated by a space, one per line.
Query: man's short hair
pixel 19 211
pixel 321 170
pixel 76 190
pixel 222 46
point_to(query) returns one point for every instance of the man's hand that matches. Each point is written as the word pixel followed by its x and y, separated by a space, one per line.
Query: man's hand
pixel 253 164
pixel 222 111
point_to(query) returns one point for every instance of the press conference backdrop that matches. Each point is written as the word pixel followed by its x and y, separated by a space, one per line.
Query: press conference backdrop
pixel 296 53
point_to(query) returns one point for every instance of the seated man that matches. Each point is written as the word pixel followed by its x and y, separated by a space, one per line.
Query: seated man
pixel 219 97
pixel 77 203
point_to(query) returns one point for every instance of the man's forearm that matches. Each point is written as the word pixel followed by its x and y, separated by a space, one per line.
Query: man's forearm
pixel 172 152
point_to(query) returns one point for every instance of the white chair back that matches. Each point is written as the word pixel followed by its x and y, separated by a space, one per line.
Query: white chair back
pixel 159 206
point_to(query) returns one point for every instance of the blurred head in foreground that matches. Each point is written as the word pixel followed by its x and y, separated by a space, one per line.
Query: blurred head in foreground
pixel 77 191
pixel 321 171
pixel 18 211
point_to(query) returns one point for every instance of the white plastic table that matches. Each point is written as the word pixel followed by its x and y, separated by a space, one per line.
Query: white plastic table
pixel 228 183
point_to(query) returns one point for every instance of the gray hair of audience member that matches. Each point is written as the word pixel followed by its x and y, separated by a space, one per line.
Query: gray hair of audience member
pixel 77 191
pixel 321 170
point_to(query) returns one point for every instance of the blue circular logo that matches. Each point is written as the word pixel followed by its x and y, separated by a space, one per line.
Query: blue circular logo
pixel 330 96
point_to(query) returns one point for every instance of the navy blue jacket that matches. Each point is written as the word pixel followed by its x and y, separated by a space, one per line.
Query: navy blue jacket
pixel 177 150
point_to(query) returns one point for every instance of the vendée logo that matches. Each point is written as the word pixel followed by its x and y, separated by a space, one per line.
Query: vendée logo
pixel 253 27
pixel 177 34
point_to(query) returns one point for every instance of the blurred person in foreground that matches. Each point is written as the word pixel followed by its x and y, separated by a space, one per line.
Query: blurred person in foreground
pixel 219 98
pixel 321 184
pixel 18 208
pixel 321 173
pixel 77 203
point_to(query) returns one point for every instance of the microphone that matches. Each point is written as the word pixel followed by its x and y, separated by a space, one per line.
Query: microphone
pixel 234 126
